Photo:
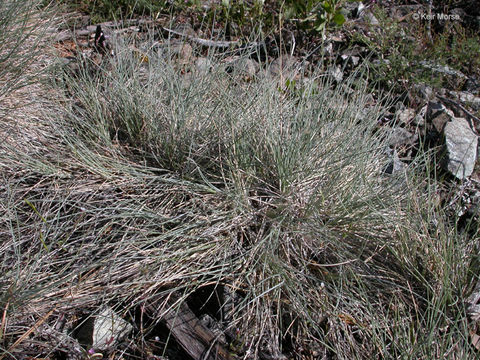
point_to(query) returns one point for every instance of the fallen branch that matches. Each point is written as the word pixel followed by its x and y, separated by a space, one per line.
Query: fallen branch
pixel 209 43
pixel 463 109
pixel 71 35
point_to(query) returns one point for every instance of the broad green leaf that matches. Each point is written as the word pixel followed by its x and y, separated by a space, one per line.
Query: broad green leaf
pixel 338 18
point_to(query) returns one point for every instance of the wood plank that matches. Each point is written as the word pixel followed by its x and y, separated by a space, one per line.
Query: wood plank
pixel 197 340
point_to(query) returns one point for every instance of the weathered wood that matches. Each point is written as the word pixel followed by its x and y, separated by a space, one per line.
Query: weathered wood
pixel 197 340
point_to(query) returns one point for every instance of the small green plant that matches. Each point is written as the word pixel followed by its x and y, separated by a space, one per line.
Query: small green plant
pixel 399 51
pixel 103 10
pixel 458 49
pixel 316 13
pixel 331 13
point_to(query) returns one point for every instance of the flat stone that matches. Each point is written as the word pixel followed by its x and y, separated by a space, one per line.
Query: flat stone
pixel 246 67
pixel 461 145
pixel 405 116
pixel 285 66
pixel 109 329
pixel 438 115
pixel 399 136
pixel 468 99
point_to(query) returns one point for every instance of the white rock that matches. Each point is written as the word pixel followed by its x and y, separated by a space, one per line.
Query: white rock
pixel 109 329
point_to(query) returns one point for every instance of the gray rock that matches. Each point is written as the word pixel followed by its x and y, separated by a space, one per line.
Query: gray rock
pixel 285 66
pixel 419 118
pixel 367 16
pixel 246 67
pixel 438 115
pixel 395 165
pixel 405 116
pixel 461 147
pixel 467 99
pixel 336 73
pixel 399 136
pixel 182 51
pixel 203 65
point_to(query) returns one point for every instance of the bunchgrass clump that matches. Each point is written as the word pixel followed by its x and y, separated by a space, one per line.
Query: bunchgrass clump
pixel 161 182
pixel 21 31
